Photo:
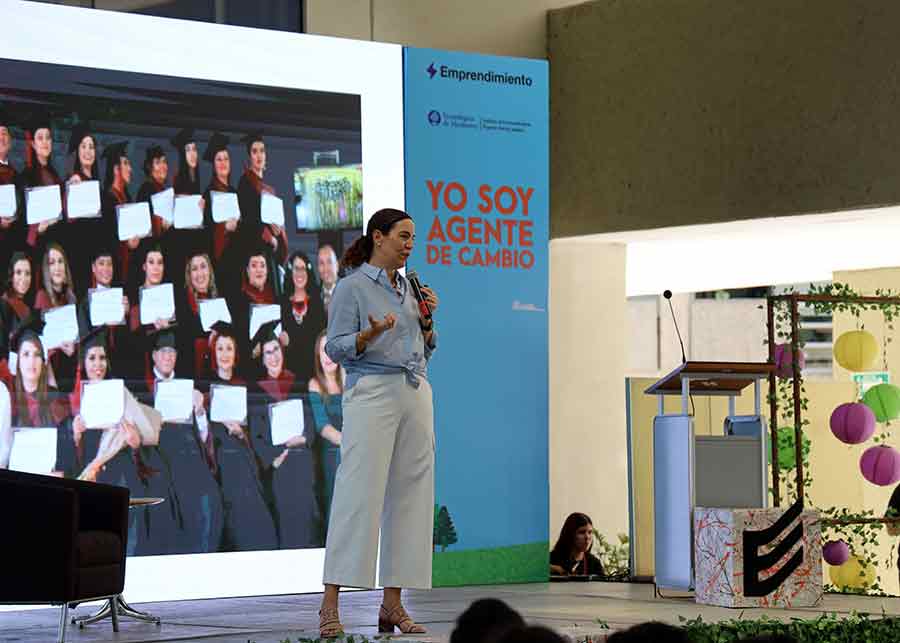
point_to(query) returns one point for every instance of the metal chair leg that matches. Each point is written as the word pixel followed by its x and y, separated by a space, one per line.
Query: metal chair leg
pixel 114 613
pixel 63 622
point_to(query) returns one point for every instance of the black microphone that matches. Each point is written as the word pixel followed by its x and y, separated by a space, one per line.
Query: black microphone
pixel 668 295
pixel 413 278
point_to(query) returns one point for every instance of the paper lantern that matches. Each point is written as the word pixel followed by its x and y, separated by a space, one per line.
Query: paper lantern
pixel 881 465
pixel 784 361
pixel 836 552
pixel 856 350
pixel 853 423
pixel 854 574
pixel 884 400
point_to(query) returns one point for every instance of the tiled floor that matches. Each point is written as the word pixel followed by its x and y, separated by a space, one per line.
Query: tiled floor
pixel 568 607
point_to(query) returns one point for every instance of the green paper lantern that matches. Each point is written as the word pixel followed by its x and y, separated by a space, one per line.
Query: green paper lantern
pixel 884 400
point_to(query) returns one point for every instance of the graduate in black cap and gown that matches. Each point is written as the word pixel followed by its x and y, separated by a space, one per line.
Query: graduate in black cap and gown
pixel 288 467
pixel 102 277
pixel 249 523
pixel 78 447
pixel 118 176
pixel 156 171
pixel 39 172
pixel 185 444
pixel 83 233
pixel 193 341
pixel 34 402
pixel 184 242
pixel 12 235
pixel 16 305
pixel 259 287
pixel 224 237
pixel 251 187
pixel 152 269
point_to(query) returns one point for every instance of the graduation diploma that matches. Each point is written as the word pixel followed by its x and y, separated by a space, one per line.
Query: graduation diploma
pixel 157 302
pixel 83 199
pixel 43 204
pixel 102 403
pixel 188 213
pixel 134 220
pixel 60 326
pixel 213 310
pixel 272 210
pixel 105 306
pixel 33 450
pixel 286 420
pixel 225 206
pixel 8 201
pixel 262 313
pixel 228 403
pixel 164 204
pixel 174 399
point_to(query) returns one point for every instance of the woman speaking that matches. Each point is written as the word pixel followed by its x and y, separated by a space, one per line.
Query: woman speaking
pixel 386 475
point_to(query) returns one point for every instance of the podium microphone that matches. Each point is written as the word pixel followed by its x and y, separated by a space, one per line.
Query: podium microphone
pixel 668 295
pixel 413 278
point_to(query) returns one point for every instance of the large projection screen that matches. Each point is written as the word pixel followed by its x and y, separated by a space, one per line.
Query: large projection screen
pixel 120 42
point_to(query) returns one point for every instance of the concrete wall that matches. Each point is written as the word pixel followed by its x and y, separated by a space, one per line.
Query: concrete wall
pixel 588 439
pixel 507 28
pixel 694 111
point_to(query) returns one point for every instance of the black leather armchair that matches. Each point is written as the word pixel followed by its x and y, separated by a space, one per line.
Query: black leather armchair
pixel 64 541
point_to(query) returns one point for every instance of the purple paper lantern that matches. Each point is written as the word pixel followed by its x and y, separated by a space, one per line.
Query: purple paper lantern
pixel 853 423
pixel 836 552
pixel 881 465
pixel 784 361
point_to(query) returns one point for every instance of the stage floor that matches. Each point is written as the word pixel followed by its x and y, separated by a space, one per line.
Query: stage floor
pixel 567 607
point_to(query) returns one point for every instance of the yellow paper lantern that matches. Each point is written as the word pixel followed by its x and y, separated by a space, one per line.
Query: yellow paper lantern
pixel 853 574
pixel 856 350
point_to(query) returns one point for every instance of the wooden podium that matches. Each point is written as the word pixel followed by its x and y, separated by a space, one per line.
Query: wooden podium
pixel 714 471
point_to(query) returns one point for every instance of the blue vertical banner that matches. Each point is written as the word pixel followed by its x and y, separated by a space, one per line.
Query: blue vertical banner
pixel 477 186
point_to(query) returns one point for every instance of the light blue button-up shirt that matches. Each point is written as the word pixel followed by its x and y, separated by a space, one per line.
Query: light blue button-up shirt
pixel 401 349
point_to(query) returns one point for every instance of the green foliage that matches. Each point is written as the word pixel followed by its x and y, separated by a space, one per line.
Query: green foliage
pixel 862 537
pixel 827 628
pixel 614 556
pixel 444 531
pixel 512 564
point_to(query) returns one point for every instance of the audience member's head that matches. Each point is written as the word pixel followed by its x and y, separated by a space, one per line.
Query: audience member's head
pixel 531 634
pixel 485 621
pixel 650 632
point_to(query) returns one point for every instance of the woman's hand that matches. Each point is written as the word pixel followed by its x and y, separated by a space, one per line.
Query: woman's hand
pixel 377 328
pixel 556 570
pixel 202 203
pixel 231 225
pixel 132 437
pixel 234 429
pixel 159 324
pixel 284 338
pixel 296 442
pixel 74 180
pixel 68 348
pixel 125 305
pixel 134 242
pixel 90 473
pixel 78 428
pixel 199 409
pixel 431 298
pixel 6 222
pixel 331 434
pixel 277 462
pixel 164 223
pixel 43 225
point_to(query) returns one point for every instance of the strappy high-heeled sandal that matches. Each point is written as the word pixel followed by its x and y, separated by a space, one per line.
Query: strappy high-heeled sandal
pixel 329 623
pixel 397 617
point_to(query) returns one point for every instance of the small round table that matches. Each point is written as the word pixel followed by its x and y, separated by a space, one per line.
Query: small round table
pixel 117 607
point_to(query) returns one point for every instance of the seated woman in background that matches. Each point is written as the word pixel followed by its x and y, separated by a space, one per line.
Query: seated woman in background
pixel 571 555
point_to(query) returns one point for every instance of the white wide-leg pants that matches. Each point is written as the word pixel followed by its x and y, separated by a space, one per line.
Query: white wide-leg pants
pixel 385 479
